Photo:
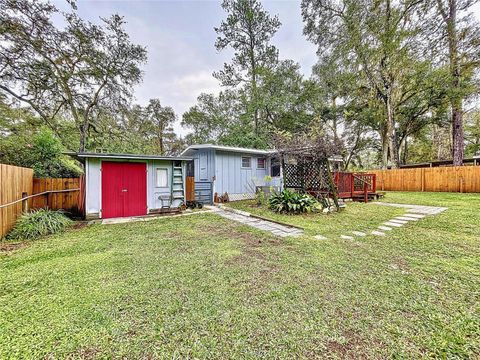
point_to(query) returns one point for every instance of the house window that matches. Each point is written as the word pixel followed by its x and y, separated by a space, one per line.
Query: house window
pixel 275 167
pixel 162 177
pixel 246 162
pixel 261 163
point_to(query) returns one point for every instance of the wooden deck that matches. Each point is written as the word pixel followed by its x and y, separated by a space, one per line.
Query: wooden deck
pixel 356 186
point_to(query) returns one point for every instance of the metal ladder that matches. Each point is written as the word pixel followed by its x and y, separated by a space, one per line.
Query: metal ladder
pixel 177 190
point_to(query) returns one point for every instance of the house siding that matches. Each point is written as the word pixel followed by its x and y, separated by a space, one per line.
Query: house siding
pixel 230 177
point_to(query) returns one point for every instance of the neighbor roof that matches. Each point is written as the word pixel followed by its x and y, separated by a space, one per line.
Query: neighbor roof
pixel 128 156
pixel 192 148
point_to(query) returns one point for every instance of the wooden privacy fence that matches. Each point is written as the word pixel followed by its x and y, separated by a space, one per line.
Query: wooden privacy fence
pixel 19 191
pixel 15 183
pixel 441 179
pixel 53 195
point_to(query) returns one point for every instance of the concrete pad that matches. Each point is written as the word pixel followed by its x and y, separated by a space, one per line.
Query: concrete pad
pixel 403 222
pixel 346 237
pixel 389 223
pixel 386 228
pixel 405 218
pixel 414 216
pixel 320 237
pixel 378 233
pixel 122 220
pixel 359 233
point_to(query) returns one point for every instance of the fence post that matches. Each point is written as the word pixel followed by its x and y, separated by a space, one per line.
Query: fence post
pixel 422 174
pixel 24 202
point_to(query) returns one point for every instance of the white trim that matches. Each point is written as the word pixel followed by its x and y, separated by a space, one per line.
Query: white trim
pixel 192 148
pixel 156 177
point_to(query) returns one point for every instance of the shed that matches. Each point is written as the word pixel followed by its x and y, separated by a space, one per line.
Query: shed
pixel 120 185
pixel 233 170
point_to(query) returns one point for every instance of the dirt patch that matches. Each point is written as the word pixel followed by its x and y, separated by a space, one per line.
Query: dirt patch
pixel 353 348
pixel 9 248
pixel 85 353
pixel 400 264
pixel 79 225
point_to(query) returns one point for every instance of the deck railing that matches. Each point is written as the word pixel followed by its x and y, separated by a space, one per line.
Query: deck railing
pixel 351 185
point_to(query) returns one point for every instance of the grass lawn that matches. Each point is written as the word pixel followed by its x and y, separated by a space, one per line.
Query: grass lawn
pixel 201 286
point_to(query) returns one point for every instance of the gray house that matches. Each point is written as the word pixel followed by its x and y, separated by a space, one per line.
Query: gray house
pixel 232 170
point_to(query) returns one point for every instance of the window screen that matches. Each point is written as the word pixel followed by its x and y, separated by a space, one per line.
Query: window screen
pixel 260 163
pixel 246 161
pixel 162 178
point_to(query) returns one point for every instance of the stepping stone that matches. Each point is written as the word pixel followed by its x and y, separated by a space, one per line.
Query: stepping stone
pixel 320 237
pixel 406 218
pixel 386 228
pixel 359 233
pixel 414 216
pixel 346 237
pixel 378 233
pixel 403 222
pixel 389 223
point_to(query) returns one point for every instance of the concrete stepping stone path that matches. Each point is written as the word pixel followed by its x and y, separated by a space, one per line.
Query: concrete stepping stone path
pixel 265 225
pixel 378 233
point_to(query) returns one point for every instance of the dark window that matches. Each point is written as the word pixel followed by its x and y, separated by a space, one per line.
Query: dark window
pixel 275 167
pixel 246 162
pixel 190 168
pixel 261 163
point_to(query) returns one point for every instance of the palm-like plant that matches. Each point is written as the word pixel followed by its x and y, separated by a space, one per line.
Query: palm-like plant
pixel 292 202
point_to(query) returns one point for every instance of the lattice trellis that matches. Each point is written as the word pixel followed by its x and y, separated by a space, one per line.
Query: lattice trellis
pixel 308 175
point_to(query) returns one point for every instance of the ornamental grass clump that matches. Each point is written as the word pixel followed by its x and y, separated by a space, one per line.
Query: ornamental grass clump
pixel 290 202
pixel 38 223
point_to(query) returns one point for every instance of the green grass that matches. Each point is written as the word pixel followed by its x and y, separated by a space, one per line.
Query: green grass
pixel 200 286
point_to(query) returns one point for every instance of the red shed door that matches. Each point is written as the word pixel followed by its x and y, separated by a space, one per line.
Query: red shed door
pixel 124 189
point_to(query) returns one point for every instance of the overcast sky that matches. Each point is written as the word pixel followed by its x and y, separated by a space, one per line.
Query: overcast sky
pixel 179 38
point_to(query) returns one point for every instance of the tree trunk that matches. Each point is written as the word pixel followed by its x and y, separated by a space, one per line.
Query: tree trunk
pixel 384 149
pixel 456 99
pixel 83 136
pixel 458 136
pixel 391 134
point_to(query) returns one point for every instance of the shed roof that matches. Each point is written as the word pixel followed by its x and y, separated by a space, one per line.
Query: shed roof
pixel 192 148
pixel 129 156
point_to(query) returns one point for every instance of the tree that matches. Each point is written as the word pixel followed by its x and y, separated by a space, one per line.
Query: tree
pixel 248 30
pixel 377 40
pixel 76 70
pixel 41 151
pixel 284 98
pixel 472 132
pixel 455 30
pixel 160 127
pixel 213 117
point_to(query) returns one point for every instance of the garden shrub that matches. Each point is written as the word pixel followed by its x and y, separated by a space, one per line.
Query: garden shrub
pixel 292 202
pixel 39 223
